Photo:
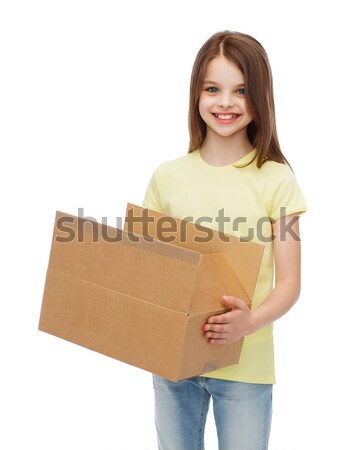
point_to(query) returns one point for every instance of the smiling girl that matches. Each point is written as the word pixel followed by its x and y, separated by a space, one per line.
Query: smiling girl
pixel 234 163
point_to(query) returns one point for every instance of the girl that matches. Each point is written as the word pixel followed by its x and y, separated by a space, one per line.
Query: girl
pixel 235 166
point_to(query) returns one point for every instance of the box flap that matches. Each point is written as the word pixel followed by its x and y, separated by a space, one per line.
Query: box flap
pixel 243 257
pixel 179 232
pixel 106 256
pixel 215 279
pixel 245 262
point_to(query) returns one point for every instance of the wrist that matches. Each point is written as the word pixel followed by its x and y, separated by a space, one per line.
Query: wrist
pixel 256 320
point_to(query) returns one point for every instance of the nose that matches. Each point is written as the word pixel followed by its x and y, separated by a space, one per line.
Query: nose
pixel 225 100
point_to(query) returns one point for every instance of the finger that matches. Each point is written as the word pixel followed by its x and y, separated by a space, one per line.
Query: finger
pixel 218 341
pixel 221 318
pixel 216 335
pixel 234 301
pixel 216 327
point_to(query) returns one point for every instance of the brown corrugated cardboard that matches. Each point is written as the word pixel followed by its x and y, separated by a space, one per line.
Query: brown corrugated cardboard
pixel 131 296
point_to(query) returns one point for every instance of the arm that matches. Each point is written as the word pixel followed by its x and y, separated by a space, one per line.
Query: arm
pixel 240 321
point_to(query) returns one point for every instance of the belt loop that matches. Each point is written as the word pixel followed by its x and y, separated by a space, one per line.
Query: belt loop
pixel 203 381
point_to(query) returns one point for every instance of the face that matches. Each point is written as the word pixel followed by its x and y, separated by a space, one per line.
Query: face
pixel 222 102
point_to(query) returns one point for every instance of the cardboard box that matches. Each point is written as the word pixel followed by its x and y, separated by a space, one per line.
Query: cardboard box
pixel 129 295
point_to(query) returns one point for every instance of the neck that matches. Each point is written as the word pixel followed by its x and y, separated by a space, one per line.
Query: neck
pixel 223 150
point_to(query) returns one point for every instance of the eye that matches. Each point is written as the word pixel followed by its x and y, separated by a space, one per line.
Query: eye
pixel 210 91
pixel 241 91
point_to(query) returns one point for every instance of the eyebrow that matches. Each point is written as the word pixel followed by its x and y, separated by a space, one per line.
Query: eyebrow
pixel 214 82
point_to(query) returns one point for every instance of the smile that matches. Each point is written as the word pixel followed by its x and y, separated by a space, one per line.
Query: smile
pixel 225 118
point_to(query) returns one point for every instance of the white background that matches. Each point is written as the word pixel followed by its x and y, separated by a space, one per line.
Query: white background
pixel 94 95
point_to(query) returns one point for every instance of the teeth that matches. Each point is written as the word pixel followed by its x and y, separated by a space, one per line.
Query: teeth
pixel 226 116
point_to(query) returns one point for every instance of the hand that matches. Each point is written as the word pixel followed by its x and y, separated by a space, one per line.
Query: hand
pixel 231 326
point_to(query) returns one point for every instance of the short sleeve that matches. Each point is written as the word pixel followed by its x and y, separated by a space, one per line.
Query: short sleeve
pixel 286 196
pixel 152 198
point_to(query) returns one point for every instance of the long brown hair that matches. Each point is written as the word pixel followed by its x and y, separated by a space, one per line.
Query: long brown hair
pixel 251 58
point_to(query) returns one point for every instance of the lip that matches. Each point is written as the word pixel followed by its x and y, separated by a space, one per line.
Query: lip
pixel 225 120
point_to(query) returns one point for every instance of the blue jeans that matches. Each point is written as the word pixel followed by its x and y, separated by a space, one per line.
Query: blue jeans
pixel 242 413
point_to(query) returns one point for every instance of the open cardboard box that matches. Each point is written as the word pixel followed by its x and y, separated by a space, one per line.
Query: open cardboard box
pixel 132 296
